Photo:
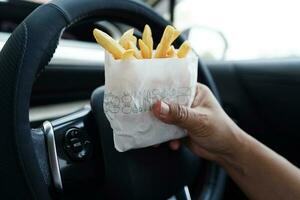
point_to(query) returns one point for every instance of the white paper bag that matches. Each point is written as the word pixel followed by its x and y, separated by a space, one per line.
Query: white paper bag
pixel 133 86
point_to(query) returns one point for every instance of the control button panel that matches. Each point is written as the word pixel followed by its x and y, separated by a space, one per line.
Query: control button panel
pixel 77 144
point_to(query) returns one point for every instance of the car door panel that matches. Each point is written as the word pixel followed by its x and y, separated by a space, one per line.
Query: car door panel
pixel 264 96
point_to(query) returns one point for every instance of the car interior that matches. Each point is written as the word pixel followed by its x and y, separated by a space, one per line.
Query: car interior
pixel 52 86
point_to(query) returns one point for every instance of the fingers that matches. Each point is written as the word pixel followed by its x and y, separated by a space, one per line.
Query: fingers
pixel 174 145
pixel 200 94
pixel 176 114
pixel 179 114
pixel 199 151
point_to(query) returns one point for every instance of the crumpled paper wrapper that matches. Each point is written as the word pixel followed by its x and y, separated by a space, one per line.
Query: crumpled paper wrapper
pixel 133 86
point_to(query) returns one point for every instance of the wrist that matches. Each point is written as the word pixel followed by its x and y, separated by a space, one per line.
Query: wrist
pixel 239 144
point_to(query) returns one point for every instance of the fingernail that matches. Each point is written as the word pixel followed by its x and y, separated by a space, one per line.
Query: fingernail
pixel 164 109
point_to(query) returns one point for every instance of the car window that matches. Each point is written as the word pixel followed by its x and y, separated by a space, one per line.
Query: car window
pixel 252 29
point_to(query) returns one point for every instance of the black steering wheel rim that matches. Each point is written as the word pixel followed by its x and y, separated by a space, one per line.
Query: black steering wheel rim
pixel 22 59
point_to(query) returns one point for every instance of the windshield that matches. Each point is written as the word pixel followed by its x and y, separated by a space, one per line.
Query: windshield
pixel 253 29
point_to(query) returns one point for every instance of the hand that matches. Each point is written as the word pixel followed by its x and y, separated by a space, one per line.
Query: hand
pixel 211 132
pixel 259 171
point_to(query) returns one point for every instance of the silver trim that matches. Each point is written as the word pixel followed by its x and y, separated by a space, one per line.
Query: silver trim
pixel 187 193
pixel 76 115
pixel 52 155
pixel 71 52
pixel 52 111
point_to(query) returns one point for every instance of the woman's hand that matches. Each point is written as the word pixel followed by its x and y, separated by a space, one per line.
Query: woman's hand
pixel 211 132
pixel 259 171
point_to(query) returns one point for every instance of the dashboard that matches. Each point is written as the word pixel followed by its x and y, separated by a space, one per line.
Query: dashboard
pixel 76 69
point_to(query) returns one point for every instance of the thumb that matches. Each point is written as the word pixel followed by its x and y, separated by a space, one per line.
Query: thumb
pixel 176 114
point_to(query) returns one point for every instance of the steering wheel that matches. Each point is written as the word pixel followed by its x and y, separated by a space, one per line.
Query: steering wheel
pixel 78 148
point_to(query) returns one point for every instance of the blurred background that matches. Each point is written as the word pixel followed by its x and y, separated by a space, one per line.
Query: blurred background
pixel 253 29
pixel 233 29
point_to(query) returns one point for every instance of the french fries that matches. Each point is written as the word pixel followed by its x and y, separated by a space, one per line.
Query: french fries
pixel 147 39
pixel 171 53
pixel 145 50
pixel 108 43
pixel 128 54
pixel 126 48
pixel 137 53
pixel 175 35
pixel 165 42
pixel 126 37
pixel 184 49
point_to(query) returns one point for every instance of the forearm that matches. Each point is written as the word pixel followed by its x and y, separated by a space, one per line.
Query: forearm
pixel 259 171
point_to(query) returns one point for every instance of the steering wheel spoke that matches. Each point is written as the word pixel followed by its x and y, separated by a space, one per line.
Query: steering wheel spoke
pixel 73 153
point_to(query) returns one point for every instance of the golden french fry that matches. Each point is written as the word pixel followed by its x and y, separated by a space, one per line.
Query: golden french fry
pixel 145 51
pixel 133 39
pixel 157 52
pixel 127 36
pixel 175 35
pixel 137 53
pixel 147 38
pixel 165 42
pixel 184 49
pixel 108 43
pixel 171 52
pixel 128 54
